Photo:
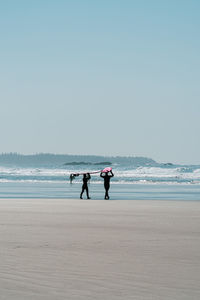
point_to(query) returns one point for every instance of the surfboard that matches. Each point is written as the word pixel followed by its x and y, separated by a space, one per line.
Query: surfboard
pixel 105 170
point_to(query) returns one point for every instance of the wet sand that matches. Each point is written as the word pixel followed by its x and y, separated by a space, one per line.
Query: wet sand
pixel 87 249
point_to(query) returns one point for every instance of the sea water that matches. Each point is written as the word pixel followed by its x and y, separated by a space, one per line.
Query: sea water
pixel 131 181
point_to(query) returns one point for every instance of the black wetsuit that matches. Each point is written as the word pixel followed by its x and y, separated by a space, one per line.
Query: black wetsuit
pixel 86 177
pixel 106 178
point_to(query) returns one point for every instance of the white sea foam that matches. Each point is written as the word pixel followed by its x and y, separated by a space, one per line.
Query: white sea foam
pixel 33 171
pixel 142 174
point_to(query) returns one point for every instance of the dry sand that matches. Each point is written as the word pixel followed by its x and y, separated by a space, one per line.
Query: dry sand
pixel 85 249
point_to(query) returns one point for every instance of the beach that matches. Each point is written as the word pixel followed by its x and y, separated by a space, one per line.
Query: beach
pixel 99 249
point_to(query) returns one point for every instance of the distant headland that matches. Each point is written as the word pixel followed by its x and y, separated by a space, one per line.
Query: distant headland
pixel 49 159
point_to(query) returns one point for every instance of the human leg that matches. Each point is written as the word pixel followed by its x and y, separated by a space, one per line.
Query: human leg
pixel 106 191
pixel 87 192
pixel 81 195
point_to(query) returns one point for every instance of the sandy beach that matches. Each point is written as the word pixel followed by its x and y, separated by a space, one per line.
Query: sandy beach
pixel 86 249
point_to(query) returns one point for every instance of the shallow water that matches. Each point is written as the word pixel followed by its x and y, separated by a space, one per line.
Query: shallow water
pixel 117 191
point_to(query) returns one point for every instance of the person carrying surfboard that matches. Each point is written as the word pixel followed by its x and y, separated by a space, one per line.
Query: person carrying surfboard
pixel 86 177
pixel 106 176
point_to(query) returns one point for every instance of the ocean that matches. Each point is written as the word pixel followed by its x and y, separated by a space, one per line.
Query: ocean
pixel 135 178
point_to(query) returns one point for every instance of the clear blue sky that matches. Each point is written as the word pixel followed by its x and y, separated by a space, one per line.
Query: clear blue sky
pixel 101 77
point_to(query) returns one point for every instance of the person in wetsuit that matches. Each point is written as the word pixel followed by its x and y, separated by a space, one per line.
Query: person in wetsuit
pixel 86 177
pixel 106 177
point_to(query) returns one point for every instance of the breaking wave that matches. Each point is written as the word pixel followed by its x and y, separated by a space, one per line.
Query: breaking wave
pixel 123 174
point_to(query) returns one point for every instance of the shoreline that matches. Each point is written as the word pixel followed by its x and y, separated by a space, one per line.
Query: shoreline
pixel 117 191
pixel 99 200
pixel 99 249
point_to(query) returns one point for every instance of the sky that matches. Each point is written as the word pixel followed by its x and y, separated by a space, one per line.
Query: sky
pixel 109 77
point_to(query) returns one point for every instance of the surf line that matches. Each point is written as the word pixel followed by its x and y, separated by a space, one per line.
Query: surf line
pixel 73 175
